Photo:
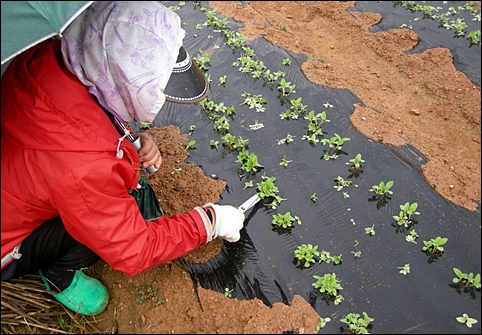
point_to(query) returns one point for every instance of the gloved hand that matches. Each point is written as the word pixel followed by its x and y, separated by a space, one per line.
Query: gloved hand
pixel 228 221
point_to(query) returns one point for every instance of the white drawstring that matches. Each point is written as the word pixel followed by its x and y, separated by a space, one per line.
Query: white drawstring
pixel 120 153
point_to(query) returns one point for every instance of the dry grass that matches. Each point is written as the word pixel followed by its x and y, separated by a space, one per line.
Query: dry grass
pixel 28 308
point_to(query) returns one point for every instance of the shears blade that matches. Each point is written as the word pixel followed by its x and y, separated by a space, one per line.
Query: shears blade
pixel 249 203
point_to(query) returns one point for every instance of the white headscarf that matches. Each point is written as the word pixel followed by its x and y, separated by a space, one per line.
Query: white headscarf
pixel 124 52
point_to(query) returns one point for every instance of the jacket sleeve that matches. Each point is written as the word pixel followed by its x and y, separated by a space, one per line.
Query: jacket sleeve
pixel 98 212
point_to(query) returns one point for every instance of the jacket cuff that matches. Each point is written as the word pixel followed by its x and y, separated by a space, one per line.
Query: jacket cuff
pixel 207 223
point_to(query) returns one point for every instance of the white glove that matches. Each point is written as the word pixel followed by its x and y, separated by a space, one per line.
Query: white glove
pixel 228 221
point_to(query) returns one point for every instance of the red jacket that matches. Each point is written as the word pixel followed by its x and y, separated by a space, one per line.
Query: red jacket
pixel 59 159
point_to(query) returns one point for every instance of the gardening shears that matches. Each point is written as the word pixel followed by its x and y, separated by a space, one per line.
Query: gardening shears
pixel 249 203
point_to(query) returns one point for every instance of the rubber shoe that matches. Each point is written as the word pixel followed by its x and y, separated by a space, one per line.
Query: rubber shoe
pixel 85 295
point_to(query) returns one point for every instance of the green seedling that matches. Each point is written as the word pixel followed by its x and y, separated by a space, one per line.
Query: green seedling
pixel 270 77
pixel 273 77
pixel 207 105
pixel 356 162
pixel 340 183
pixel 148 292
pixel 248 65
pixel 336 259
pixel 222 80
pixel 328 105
pixel 316 121
pixel 357 254
pixel 467 280
pixel 243 156
pixel 234 39
pixel 145 125
pixel 287 62
pixel 219 23
pixel 256 125
pixel 435 245
pixel 325 256
pixel 266 188
pixel 249 161
pixel 214 21
pixel 357 324
pixel 310 138
pixel 317 59
pixel 306 253
pixel 297 108
pixel 191 129
pixel 285 87
pixel 230 110
pixel 330 285
pixel 221 124
pixel 412 236
pixel 257 102
pixel 313 197
pixel 241 143
pixel 214 144
pixel 208 76
pixel 322 323
pixel 329 156
pixel 336 142
pixel 370 230
pixel 176 171
pixel 282 27
pixel 231 143
pixel 474 37
pixel 467 320
pixel 227 292
pixel 284 162
pixel 404 269
pixel 288 139
pixel 382 188
pixel 248 184
pixel 252 164
pixel 256 74
pixel 220 108
pixel 202 60
pixel 190 144
pixel 284 220
pixel 404 218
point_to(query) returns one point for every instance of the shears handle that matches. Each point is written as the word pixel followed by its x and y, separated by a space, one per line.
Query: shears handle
pixel 138 145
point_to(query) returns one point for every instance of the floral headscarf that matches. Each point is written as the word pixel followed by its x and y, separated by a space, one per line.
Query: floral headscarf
pixel 124 52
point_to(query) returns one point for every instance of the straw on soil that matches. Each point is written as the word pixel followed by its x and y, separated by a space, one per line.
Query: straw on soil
pixel 28 308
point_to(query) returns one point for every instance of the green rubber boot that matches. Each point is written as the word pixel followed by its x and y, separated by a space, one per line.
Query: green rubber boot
pixel 85 295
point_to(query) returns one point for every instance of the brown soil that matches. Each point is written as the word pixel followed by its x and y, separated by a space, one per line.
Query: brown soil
pixel 419 99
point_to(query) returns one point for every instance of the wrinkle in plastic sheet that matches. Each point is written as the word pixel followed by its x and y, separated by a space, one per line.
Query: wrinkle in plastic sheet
pixel 261 264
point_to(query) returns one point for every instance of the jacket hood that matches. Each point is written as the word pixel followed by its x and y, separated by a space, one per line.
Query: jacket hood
pixel 125 51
